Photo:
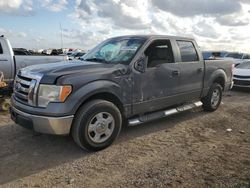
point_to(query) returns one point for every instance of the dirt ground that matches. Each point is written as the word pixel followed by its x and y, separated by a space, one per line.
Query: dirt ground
pixel 191 149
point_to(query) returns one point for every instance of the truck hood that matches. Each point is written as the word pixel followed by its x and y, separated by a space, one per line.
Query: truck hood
pixel 50 72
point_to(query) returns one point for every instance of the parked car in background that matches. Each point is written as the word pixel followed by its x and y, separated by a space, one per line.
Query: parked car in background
pixel 238 57
pixel 69 53
pixel 76 55
pixel 213 54
pixel 47 51
pixel 56 52
pixel 241 75
pixel 133 79
pixel 60 51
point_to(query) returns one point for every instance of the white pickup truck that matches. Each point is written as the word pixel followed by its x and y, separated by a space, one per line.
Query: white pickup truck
pixel 10 63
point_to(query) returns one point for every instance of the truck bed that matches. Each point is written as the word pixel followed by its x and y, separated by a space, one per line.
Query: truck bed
pixel 24 61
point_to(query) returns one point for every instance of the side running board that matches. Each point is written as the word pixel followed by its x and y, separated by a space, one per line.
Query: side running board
pixel 161 114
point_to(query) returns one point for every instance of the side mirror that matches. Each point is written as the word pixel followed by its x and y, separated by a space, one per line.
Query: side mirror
pixel 141 64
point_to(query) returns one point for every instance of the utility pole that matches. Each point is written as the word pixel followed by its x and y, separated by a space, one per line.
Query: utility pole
pixel 61 36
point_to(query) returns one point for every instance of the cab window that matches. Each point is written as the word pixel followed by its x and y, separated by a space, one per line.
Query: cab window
pixel 187 51
pixel 159 52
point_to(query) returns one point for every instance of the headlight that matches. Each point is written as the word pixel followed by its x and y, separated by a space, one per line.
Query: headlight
pixel 52 93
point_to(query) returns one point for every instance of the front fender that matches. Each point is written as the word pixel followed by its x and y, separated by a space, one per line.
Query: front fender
pixel 74 101
pixel 96 87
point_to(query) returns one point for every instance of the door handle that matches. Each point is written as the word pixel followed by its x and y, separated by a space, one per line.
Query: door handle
pixel 199 69
pixel 3 59
pixel 175 73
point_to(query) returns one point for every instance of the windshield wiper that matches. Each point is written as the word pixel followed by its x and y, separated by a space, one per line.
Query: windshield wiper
pixel 96 59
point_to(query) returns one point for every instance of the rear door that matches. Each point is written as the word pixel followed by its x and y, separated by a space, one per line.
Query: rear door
pixel 191 68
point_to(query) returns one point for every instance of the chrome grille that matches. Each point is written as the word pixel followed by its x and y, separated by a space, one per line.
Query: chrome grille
pixel 25 88
pixel 21 88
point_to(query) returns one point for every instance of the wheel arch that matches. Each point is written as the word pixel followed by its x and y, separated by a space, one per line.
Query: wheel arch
pixel 220 80
pixel 105 90
pixel 220 77
pixel 108 96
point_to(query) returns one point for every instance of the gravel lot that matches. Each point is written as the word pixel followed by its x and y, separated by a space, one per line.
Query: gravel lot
pixel 191 149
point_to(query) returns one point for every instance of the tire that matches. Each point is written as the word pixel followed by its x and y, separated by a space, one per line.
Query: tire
pixel 96 125
pixel 213 99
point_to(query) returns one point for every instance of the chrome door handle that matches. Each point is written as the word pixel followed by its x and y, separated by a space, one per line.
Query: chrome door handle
pixel 175 73
pixel 200 70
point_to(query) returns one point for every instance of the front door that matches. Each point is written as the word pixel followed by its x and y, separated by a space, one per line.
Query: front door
pixel 157 87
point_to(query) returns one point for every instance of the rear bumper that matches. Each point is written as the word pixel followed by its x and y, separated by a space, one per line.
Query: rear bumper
pixel 42 124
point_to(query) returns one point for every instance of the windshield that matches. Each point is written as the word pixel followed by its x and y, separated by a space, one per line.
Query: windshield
pixel 117 50
pixel 245 65
pixel 234 55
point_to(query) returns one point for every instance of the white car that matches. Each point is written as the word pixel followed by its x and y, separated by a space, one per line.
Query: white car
pixel 241 75
pixel 238 57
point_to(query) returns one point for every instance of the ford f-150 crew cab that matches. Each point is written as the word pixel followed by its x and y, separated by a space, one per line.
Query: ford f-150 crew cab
pixel 124 80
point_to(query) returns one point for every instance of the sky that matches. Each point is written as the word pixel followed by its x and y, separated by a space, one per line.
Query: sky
pixel 38 24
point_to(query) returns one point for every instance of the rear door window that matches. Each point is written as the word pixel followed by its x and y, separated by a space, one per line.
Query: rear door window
pixel 187 51
pixel 1 49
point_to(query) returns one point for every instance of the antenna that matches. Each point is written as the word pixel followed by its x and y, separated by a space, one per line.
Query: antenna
pixel 61 35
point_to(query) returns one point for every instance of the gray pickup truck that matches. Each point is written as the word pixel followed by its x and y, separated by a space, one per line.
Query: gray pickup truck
pixel 124 80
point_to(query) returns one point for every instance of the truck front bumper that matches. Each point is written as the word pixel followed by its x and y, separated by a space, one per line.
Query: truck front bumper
pixel 42 124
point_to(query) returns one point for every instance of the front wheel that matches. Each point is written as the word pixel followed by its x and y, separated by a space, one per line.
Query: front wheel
pixel 96 125
pixel 213 99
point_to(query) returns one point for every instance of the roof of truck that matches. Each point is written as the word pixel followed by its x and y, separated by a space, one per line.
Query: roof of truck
pixel 155 36
pixel 149 36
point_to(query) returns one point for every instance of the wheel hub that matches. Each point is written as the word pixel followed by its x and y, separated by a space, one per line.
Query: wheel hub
pixel 215 97
pixel 101 127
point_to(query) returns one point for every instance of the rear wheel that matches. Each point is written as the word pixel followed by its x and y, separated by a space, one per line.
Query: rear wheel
pixel 212 101
pixel 96 125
